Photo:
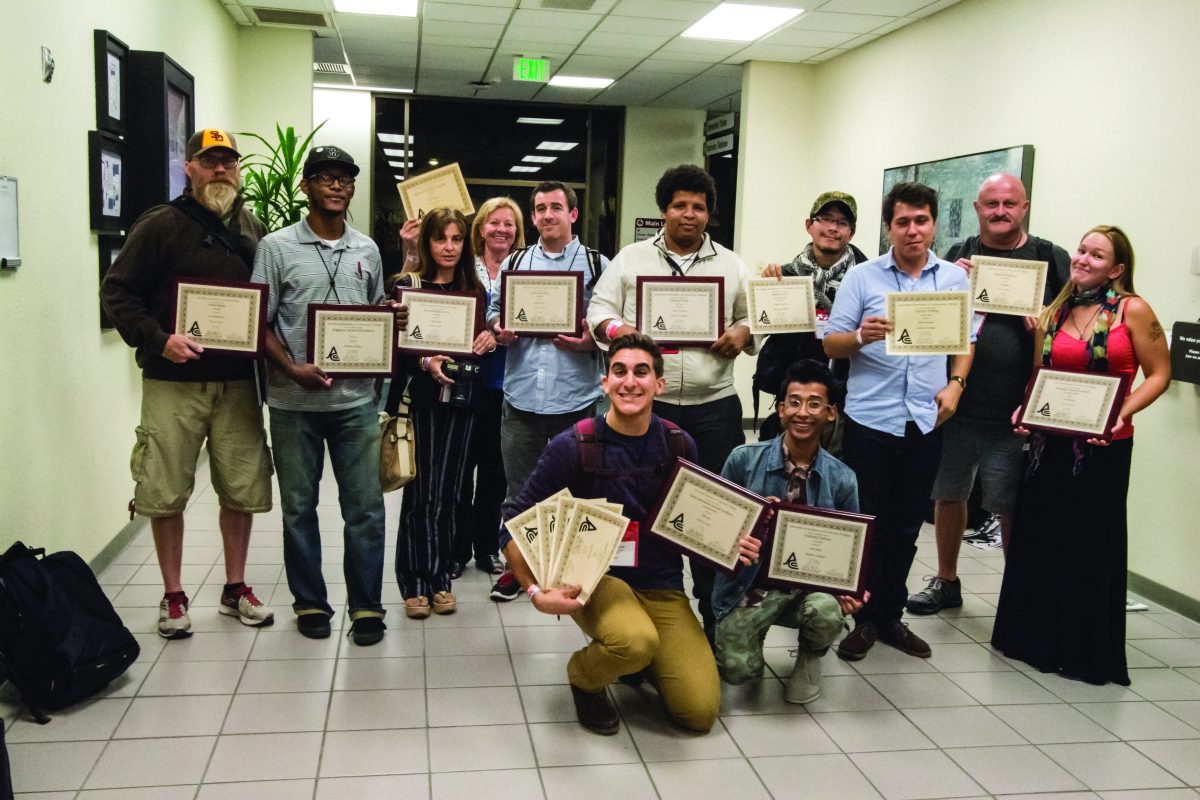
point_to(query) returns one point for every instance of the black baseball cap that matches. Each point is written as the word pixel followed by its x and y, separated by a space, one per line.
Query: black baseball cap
pixel 328 154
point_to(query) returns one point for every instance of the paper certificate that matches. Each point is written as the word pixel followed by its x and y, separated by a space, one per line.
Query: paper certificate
pixel 588 541
pixel 1008 285
pixel 440 322
pixel 542 302
pixel 1074 403
pixel 351 341
pixel 547 523
pixel 929 323
pixel 706 515
pixel 785 305
pixel 819 550
pixel 681 311
pixel 443 187
pixel 225 317
pixel 524 530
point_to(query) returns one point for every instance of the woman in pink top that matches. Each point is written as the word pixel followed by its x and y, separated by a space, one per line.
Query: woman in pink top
pixel 1062 603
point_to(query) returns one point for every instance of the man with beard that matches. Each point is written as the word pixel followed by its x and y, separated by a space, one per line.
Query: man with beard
pixel 188 395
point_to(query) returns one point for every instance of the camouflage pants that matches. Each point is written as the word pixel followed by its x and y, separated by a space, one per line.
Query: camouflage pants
pixel 740 634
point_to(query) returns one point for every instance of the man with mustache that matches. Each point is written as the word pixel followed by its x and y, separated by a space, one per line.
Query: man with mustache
pixel 979 438
pixel 188 395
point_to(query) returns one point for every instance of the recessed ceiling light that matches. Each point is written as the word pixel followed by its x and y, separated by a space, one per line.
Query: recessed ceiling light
pixel 399 177
pixel 519 168
pixel 541 159
pixel 349 88
pixel 396 138
pixel 395 151
pixel 557 145
pixel 579 82
pixel 383 8
pixel 735 22
pixel 540 121
pixel 433 162
pixel 401 164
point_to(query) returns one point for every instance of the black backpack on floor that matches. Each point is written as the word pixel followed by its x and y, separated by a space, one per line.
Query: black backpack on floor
pixel 60 639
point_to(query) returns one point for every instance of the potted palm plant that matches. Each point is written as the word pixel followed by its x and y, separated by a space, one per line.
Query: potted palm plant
pixel 271 180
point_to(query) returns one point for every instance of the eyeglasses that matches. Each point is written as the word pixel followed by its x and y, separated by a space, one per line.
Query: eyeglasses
pixel 812 405
pixel 839 222
pixel 210 162
pixel 325 179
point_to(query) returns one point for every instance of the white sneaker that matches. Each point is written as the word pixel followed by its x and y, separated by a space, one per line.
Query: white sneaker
pixel 804 684
pixel 173 619
pixel 246 607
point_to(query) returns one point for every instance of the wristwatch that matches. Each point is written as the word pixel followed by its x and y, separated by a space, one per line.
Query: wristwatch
pixel 961 381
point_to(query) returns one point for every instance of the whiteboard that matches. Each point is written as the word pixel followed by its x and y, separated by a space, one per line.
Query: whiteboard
pixel 10 238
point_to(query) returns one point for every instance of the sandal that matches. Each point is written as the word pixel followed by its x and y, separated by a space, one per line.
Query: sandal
pixel 416 607
pixel 444 603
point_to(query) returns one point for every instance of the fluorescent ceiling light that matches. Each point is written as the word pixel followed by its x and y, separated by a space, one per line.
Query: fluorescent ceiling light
pixel 401 164
pixel 392 151
pixel 382 8
pixel 557 145
pixel 348 88
pixel 541 159
pixel 540 121
pixel 396 138
pixel 579 82
pixel 735 22
pixel 398 177
pixel 519 168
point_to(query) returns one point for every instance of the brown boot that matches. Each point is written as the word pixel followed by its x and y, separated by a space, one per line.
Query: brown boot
pixel 596 711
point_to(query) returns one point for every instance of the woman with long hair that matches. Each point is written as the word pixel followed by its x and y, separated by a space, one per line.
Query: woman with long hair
pixel 1062 603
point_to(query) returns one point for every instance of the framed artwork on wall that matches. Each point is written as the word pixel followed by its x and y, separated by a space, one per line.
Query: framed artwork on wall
pixel 112 95
pixel 110 246
pixel 108 159
pixel 164 94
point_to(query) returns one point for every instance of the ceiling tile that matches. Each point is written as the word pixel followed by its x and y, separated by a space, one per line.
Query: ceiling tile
pixel 355 47
pixel 699 50
pixel 468 59
pixel 825 56
pixel 803 38
pixel 510 90
pixel 598 66
pixel 629 95
pixel 641 25
pixel 845 23
pixel 472 33
pixel 766 51
pixel 551 36
pixel 889 8
pixel 327 49
pixel 474 14
pixel 665 9
pixel 894 25
pixel 380 28
pixel 319 6
pixel 533 20
pixel 597 6
pixel 667 66
pixel 599 43
pixel 932 8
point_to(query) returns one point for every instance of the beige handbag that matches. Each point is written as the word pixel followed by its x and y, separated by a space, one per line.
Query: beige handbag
pixel 397 452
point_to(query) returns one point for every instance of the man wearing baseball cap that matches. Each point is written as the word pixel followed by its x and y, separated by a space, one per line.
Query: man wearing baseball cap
pixel 321 259
pixel 189 395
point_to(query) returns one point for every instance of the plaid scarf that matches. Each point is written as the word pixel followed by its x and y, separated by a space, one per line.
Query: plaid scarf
pixel 825 281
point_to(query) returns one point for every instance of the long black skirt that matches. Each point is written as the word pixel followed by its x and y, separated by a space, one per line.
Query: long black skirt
pixel 1062 603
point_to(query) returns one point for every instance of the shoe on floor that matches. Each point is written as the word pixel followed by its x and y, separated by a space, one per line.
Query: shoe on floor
pixel 314 625
pixel 938 594
pixel 444 603
pixel 457 570
pixel 416 607
pixel 899 636
pixel 596 712
pixel 366 631
pixel 242 603
pixel 804 684
pixel 857 643
pixel 492 565
pixel 173 619
pixel 505 588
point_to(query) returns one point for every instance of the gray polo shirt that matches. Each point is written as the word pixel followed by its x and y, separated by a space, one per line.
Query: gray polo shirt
pixel 301 268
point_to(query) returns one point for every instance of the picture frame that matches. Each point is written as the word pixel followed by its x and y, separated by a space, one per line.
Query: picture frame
pixel 164 94
pixel 112 82
pixel 110 247
pixel 108 184
pixel 807 547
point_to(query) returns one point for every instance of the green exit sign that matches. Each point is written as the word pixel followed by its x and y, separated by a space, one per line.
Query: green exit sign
pixel 531 69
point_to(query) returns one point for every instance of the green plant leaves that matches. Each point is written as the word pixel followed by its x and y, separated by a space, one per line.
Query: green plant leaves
pixel 271 180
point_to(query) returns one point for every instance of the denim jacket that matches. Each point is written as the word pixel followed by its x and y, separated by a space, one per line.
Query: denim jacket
pixel 761 469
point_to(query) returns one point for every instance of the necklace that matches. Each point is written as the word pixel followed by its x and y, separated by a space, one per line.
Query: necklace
pixel 1091 319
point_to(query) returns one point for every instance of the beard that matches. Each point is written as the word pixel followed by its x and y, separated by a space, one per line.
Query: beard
pixel 217 196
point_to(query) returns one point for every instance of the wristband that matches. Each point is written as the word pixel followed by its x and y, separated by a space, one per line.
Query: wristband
pixel 961 381
pixel 425 363
pixel 532 590
pixel 858 336
pixel 613 327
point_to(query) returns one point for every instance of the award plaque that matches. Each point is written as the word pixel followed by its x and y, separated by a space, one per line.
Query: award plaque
pixel 781 305
pixel 705 515
pixel 443 187
pixel 681 312
pixel 1008 285
pixel 1068 403
pixel 440 323
pixel 351 341
pixel 817 549
pixel 542 303
pixel 929 323
pixel 223 317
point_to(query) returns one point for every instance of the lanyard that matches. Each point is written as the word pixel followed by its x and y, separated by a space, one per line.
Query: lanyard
pixel 675 266
pixel 337 262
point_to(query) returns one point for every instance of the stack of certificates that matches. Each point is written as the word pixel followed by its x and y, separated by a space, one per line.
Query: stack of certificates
pixel 569 541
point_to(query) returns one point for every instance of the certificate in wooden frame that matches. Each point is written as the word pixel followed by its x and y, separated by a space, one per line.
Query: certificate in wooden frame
pixel 706 305
pixel 804 539
pixel 423 342
pixel 1040 411
pixel 895 342
pixel 112 83
pixel 555 285
pixel 249 341
pixel 108 181
pixel 759 318
pixel 330 360
pixel 988 300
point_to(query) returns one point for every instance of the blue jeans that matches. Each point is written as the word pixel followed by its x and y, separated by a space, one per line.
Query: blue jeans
pixel 298 440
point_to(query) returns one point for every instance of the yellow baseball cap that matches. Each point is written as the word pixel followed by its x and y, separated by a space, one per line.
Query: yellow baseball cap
pixel 207 139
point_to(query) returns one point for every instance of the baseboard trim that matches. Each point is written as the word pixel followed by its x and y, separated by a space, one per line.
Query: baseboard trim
pixel 105 557
pixel 1165 596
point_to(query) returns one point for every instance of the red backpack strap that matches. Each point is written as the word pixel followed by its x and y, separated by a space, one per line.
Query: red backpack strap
pixel 588 447
pixel 675 440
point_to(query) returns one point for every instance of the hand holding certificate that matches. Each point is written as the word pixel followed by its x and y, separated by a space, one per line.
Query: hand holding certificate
pixel 440 322
pixel 223 317
pixel 781 305
pixel 351 341
pixel 1084 404
pixel 928 323
pixel 541 303
pixel 443 187
pixel 681 312
pixel 1008 285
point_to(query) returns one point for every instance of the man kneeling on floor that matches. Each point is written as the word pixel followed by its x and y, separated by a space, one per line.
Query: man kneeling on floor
pixel 638 618
pixel 792 467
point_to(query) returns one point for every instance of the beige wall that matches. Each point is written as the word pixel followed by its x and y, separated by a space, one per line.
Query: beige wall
pixel 347 117
pixel 1103 91
pixel 656 139
pixel 71 393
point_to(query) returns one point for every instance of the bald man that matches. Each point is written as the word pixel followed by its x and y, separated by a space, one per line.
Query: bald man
pixel 979 438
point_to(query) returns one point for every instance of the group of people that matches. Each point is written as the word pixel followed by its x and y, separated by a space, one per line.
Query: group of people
pixel 515 423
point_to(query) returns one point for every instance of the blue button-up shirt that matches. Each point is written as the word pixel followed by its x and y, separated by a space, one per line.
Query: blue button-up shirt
pixel 885 392
pixel 538 376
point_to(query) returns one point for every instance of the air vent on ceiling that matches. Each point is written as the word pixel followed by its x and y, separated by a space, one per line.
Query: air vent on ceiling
pixel 569 5
pixel 327 68
pixel 300 19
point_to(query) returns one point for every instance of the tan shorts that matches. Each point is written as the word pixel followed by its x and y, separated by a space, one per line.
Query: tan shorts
pixel 177 418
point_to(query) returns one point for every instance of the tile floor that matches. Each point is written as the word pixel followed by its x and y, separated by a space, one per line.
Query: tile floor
pixel 475 705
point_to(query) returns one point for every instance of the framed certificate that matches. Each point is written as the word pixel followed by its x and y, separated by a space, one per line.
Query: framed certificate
pixel 443 187
pixel 542 303
pixel 705 515
pixel 1008 285
pixel 783 305
pixel 1071 403
pixel 223 317
pixel 929 323
pixel 351 341
pixel 440 322
pixel 817 549
pixel 681 311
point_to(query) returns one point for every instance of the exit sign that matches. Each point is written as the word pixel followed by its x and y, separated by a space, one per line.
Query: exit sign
pixel 531 69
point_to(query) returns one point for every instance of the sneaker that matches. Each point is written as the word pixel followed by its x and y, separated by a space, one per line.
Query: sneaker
pixel 990 526
pixel 506 588
pixel 857 643
pixel 242 603
pixel 444 603
pixel 314 625
pixel 457 570
pixel 804 684
pixel 938 594
pixel 492 565
pixel 173 619
pixel 596 712
pixel 366 631
pixel 899 636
